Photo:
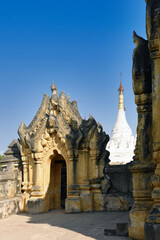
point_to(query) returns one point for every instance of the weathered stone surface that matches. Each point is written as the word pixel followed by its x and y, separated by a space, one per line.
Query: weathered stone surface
pixel 9 184
pixel 106 185
pixel 141 69
pixel 118 196
pixel 34 205
pixel 7 189
pixel 73 205
pixel 10 175
pixel 153 34
pixel 116 203
pixel 87 202
pixel 10 206
pixel 152 231
pixel 12 157
pixel 120 178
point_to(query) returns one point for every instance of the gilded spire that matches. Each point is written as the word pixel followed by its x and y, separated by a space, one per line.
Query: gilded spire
pixel 121 89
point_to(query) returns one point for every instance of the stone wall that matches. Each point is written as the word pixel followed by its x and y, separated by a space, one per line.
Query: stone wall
pixel 10 181
pixel 118 196
pixel 9 184
pixel 10 206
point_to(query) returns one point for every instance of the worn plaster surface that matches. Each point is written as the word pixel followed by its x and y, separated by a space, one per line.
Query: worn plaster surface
pixel 58 225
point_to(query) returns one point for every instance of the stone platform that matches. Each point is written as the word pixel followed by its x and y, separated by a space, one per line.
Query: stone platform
pixel 9 206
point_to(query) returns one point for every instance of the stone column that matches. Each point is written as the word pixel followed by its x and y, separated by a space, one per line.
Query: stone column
pixel 143 168
pixel 73 201
pixel 152 227
pixel 35 204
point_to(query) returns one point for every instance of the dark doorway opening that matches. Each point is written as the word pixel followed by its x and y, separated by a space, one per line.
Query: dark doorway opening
pixel 57 191
pixel 63 185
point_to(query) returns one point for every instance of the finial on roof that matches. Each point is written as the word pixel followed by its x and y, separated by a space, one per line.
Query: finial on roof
pixel 54 97
pixel 53 87
pixel 120 89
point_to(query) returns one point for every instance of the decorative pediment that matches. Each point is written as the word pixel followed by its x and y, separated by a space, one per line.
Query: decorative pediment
pixel 55 115
pixel 30 135
pixel 59 116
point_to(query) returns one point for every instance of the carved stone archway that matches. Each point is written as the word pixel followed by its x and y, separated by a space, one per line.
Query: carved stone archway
pixel 59 129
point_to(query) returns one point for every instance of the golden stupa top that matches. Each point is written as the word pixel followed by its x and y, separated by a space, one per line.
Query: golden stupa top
pixel 121 89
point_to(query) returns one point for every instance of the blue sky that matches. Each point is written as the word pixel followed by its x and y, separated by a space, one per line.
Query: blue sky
pixel 80 45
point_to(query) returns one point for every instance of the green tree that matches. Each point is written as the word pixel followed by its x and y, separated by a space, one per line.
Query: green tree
pixel 1 156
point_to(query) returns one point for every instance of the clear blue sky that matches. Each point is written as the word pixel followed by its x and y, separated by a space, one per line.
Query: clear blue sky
pixel 81 45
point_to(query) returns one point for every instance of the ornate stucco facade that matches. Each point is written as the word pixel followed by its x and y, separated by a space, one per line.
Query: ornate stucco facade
pixel 63 157
pixel 122 142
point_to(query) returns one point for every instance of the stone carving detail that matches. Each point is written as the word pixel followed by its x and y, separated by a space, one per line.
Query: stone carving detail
pixel 141 70
pixel 31 135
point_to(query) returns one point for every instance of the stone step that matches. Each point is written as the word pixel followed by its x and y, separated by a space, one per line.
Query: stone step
pixel 121 230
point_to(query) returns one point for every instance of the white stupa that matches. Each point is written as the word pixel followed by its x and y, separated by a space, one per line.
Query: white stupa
pixel 122 142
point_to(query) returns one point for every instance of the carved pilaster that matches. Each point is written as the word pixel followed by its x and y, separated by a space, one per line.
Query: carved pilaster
pixel 25 164
pixel 30 173
pixel 83 163
pixel 73 201
pixel 37 189
pixel 72 165
pixel 94 167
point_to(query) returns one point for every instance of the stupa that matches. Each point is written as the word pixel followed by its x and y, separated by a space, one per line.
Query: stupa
pixel 122 142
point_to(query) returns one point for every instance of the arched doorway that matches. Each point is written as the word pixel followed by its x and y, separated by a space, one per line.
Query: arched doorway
pixel 58 182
